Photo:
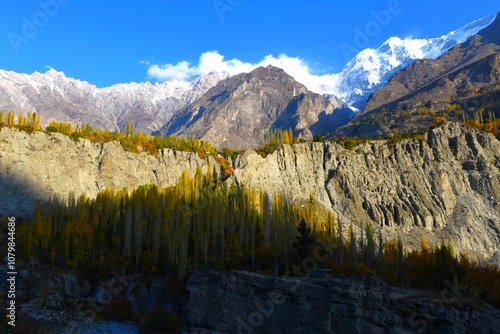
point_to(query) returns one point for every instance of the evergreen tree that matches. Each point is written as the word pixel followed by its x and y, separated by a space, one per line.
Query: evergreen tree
pixel 340 243
pixel 305 241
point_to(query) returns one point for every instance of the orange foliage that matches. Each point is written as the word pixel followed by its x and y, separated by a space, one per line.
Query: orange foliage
pixel 438 120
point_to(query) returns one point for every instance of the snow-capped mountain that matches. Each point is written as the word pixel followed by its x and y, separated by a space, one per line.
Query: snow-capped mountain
pixel 372 68
pixel 53 95
pixel 150 106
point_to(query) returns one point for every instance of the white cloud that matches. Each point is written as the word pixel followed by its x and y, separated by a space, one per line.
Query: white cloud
pixel 213 61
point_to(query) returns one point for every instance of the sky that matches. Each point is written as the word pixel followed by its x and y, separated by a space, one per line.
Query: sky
pixel 108 42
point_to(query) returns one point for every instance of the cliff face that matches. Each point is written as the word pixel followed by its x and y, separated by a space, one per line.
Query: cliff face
pixel 241 302
pixel 39 165
pixel 446 187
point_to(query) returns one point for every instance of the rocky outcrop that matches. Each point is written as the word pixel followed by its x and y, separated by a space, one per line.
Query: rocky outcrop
pixel 61 301
pixel 445 187
pixel 39 165
pixel 242 302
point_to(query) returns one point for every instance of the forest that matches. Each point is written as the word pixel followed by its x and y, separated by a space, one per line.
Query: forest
pixel 203 222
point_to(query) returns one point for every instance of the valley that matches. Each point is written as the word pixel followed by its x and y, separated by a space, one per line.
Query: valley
pixel 252 203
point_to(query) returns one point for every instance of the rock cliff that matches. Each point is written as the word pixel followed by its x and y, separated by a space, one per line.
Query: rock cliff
pixel 40 165
pixel 242 302
pixel 445 186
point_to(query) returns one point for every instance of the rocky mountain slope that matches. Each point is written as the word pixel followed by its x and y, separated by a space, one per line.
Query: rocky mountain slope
pixel 241 302
pixel 371 69
pixel 239 111
pixel 78 167
pixel 53 95
pixel 445 187
pixel 469 74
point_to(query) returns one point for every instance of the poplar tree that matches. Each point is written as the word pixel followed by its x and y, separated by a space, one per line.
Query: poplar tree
pixel 127 233
pixel 353 247
pixel 9 119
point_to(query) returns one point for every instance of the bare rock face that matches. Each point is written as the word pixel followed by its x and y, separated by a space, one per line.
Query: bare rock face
pixel 446 187
pixel 239 111
pixel 40 165
pixel 242 302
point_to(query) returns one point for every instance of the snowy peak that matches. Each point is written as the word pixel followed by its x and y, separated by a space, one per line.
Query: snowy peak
pixel 53 95
pixel 372 68
pixel 437 46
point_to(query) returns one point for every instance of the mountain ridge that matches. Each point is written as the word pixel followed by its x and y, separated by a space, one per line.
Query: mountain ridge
pixel 53 95
pixel 372 68
pixel 239 111
pixel 467 75
pixel 151 106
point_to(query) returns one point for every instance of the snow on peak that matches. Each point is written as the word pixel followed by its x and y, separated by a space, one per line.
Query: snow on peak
pixel 371 69
pixel 149 105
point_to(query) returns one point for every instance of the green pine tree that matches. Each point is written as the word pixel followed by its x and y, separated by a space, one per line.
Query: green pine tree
pixel 304 245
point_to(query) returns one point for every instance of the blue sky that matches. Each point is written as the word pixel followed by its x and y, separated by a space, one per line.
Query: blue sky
pixel 107 42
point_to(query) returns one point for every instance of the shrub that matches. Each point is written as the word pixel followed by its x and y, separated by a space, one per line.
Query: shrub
pixel 318 138
pixel 438 120
pixel 51 129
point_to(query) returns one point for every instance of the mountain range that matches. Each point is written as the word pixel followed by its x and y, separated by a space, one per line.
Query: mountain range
pixel 239 110
pixel 464 82
pixel 371 69
pixel 53 95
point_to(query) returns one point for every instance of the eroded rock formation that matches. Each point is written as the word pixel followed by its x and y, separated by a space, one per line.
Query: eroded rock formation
pixel 445 187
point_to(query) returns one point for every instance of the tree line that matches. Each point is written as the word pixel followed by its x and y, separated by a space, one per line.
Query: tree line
pixel 202 222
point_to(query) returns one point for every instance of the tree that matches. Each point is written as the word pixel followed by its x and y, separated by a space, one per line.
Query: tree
pixel 318 138
pixel 340 243
pixel 129 131
pixel 9 119
pixel 22 119
pixel 36 121
pixel 305 241
pixel 370 245
pixel 353 247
